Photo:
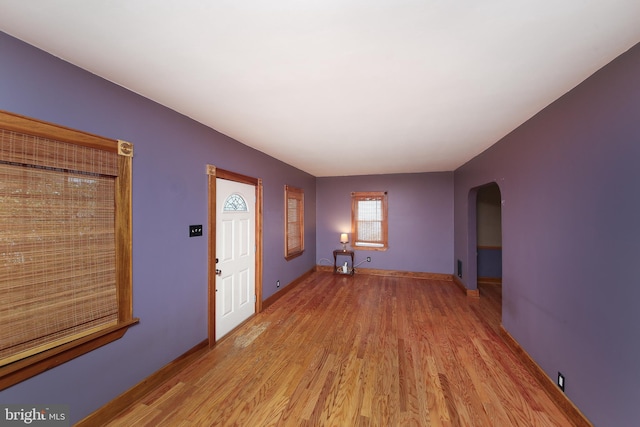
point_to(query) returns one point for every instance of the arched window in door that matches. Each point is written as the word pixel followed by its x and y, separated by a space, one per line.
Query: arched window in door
pixel 235 203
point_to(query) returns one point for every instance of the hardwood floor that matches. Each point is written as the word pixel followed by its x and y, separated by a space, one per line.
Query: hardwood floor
pixel 361 350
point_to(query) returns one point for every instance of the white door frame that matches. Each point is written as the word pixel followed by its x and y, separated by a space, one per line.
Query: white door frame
pixel 214 173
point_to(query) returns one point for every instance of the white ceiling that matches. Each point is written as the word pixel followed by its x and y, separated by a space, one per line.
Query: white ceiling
pixel 340 87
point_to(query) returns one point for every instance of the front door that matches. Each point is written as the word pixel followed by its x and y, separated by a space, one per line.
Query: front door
pixel 235 254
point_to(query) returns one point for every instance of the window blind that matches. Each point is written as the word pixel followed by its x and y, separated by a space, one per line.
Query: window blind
pixel 294 221
pixel 369 219
pixel 57 243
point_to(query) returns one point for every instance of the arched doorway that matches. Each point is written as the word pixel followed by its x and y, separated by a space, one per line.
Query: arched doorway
pixel 484 250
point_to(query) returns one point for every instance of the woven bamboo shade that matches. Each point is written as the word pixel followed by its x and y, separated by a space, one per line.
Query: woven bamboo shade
pixel 57 243
pixel 294 198
pixel 294 237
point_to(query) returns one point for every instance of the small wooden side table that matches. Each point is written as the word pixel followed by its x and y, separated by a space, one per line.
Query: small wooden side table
pixel 338 269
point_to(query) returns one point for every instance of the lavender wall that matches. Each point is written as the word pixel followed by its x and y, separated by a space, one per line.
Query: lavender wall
pixel 169 192
pixel 420 220
pixel 571 240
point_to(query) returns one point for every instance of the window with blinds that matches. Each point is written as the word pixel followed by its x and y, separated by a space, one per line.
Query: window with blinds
pixel 369 220
pixel 65 262
pixel 294 222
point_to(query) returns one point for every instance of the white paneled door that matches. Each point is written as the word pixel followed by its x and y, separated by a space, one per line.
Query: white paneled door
pixel 235 252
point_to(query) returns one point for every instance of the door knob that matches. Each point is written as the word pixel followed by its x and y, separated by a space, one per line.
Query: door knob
pixel 218 272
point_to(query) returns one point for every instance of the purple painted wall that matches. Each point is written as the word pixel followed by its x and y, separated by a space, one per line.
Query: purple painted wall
pixel 169 193
pixel 489 263
pixel 571 240
pixel 420 220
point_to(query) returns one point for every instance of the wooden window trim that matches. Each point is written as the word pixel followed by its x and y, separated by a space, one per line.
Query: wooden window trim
pixel 30 366
pixel 358 196
pixel 297 194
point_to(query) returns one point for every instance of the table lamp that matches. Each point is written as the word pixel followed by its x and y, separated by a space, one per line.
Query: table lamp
pixel 344 239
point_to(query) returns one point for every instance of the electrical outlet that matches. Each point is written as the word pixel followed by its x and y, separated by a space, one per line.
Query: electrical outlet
pixel 195 230
pixel 368 259
pixel 561 381
pixel 277 283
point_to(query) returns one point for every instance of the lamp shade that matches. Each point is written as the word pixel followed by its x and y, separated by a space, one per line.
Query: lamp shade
pixel 344 238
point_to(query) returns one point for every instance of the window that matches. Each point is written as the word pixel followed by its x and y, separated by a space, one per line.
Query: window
pixel 294 222
pixel 65 244
pixel 235 203
pixel 369 220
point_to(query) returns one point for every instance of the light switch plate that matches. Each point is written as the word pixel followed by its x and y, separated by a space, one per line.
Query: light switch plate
pixel 195 230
